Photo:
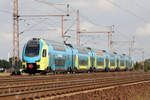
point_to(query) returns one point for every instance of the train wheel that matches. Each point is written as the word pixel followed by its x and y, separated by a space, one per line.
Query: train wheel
pixel 18 73
pixel 91 70
pixel 70 70
pixel 54 72
pixel 29 72
pixel 48 69
pixel 106 70
pixel 13 73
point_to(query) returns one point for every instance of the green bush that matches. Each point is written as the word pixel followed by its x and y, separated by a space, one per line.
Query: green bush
pixel 5 64
pixel 137 66
pixel 145 69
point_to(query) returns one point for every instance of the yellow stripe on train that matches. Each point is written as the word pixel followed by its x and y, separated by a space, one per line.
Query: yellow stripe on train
pixel 44 60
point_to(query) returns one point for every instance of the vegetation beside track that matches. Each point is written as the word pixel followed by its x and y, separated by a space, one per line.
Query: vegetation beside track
pixel 143 65
pixel 5 64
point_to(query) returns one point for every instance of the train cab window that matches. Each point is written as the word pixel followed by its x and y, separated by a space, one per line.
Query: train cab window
pixel 32 49
pixel 44 53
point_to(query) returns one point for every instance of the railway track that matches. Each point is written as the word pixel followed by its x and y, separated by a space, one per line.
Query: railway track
pixel 9 81
pixel 59 75
pixel 48 89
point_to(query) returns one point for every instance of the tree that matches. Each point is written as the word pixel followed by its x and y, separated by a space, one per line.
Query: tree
pixel 5 64
pixel 137 66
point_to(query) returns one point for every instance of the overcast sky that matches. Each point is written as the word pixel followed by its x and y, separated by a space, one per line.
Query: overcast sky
pixel 130 18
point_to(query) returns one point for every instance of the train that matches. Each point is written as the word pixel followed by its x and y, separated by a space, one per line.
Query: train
pixel 44 56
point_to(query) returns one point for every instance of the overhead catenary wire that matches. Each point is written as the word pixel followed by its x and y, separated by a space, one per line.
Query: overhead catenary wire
pixel 140 6
pixel 34 25
pixel 127 11
pixel 87 18
pixel 49 3
pixel 5 11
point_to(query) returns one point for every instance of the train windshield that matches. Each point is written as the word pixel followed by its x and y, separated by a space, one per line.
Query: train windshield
pixel 32 48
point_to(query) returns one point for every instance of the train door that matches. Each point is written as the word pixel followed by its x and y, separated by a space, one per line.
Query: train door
pixel 44 59
pixel 117 64
pixel 68 60
pixel 107 63
pixel 92 61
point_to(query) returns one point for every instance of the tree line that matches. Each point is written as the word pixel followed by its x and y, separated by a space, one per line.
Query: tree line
pixel 8 64
pixel 5 64
pixel 143 65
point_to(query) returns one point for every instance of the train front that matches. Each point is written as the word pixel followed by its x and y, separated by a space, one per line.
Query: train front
pixel 31 56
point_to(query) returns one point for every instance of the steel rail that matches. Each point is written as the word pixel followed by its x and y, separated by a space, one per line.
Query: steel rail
pixel 71 82
pixel 101 84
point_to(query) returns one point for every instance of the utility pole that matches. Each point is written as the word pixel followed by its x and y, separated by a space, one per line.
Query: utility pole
pixel 15 37
pixel 78 32
pixel 143 59
pixel 142 56
pixel 131 46
pixel 78 28
pixel 110 37
pixel 62 27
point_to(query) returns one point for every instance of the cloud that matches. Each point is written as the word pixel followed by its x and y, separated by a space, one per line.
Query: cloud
pixel 79 3
pixel 144 30
pixel 7 36
pixel 86 26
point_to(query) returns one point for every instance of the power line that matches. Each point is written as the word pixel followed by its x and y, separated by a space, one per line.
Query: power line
pixel 87 18
pixel 90 21
pixel 48 3
pixel 140 6
pixel 5 11
pixel 121 34
pixel 32 26
pixel 127 11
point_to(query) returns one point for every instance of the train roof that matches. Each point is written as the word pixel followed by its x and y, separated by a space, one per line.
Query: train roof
pixel 53 42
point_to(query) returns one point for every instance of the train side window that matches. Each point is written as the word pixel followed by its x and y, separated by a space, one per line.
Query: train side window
pixel 112 62
pixel 121 63
pixel 100 62
pixel 44 53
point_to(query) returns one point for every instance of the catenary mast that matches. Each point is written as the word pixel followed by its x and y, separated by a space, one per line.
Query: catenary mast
pixel 15 52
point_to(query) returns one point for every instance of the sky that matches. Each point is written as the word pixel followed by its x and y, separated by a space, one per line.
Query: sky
pixel 129 17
